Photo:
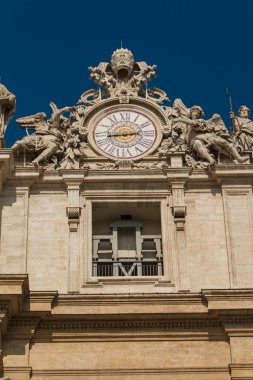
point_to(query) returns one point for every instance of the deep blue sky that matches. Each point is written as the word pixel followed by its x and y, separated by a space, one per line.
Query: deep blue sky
pixel 201 47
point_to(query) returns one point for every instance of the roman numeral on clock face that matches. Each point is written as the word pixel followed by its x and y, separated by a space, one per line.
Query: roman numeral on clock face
pixel 101 134
pixel 145 143
pixel 110 149
pixel 148 133
pixel 125 116
pixel 125 134
pixel 113 119
pixel 146 124
pixel 103 142
pixel 138 151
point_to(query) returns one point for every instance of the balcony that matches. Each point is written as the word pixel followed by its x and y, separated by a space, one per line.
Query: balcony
pixel 127 253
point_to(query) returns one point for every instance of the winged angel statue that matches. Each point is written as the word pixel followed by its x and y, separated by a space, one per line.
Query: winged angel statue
pixel 202 140
pixel 55 140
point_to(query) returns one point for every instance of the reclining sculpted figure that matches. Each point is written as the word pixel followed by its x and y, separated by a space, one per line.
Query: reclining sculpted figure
pixel 48 136
pixel 204 136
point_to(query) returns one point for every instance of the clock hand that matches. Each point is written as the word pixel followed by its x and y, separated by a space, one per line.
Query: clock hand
pixel 123 134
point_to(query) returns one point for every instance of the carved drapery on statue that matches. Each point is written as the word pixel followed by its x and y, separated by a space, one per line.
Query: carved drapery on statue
pixel 72 137
pixel 203 141
pixel 56 140
pixel 242 129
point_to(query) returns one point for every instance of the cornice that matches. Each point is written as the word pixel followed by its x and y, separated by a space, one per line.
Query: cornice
pixel 235 175
pixel 224 299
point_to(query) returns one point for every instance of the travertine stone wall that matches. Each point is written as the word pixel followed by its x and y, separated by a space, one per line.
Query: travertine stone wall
pixel 209 246
pixel 206 240
pixel 112 354
pixel 13 206
pixel 239 227
pixel 47 259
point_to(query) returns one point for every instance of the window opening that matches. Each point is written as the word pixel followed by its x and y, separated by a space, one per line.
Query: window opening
pixel 126 251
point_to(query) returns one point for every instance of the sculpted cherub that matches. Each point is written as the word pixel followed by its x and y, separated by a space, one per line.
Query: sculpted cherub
pixel 242 129
pixel 174 134
pixel 205 138
pixel 48 136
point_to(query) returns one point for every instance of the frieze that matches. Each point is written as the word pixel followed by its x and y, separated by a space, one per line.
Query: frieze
pixel 24 323
pixel 132 325
pixel 197 324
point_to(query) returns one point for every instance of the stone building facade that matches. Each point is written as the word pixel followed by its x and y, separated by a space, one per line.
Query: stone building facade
pixel 126 244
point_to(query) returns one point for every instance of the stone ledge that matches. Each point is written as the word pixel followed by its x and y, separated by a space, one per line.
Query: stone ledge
pixel 228 299
pixel 131 371
pixel 241 371
pixel 22 373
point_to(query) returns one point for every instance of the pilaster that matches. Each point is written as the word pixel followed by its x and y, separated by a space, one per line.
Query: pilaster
pixel 238 220
pixel 73 180
pixel 179 213
pixel 6 165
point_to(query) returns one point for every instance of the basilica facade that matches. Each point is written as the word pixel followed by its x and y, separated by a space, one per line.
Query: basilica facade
pixel 126 246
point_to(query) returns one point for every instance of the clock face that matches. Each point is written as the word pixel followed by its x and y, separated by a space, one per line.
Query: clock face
pixel 125 135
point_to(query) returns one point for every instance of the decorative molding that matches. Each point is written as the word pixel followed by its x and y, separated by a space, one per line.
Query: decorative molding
pixel 18 370
pixel 129 371
pixel 178 208
pixel 24 322
pixel 179 213
pixel 73 214
pixel 241 371
pixel 132 325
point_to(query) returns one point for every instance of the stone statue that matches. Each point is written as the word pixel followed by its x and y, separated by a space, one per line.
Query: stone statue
pixel 204 138
pixel 48 136
pixel 67 141
pixel 73 148
pixel 242 129
pixel 7 109
pixel 123 77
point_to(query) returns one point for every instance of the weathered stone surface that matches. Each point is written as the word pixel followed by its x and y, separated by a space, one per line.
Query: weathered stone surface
pixel 126 254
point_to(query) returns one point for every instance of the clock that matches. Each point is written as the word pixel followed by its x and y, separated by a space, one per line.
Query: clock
pixel 125 134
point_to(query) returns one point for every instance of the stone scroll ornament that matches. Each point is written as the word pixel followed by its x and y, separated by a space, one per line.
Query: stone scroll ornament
pixel 7 110
pixel 203 141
